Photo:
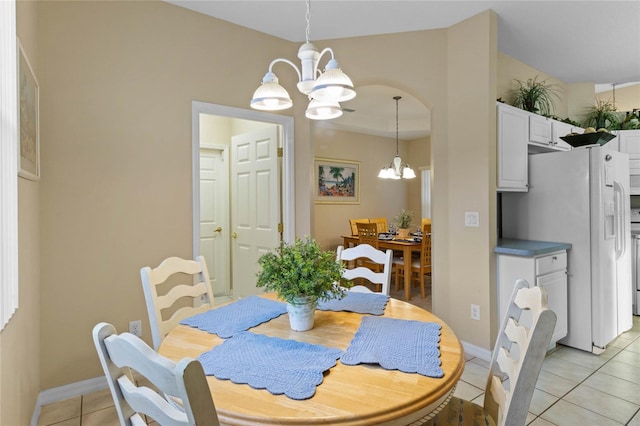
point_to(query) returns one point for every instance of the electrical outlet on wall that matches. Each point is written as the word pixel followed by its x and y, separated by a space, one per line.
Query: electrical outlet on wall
pixel 472 219
pixel 135 328
pixel 475 312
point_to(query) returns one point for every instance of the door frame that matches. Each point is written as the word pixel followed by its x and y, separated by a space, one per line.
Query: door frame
pixel 288 186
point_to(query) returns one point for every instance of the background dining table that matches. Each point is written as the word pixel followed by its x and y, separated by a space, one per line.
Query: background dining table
pixel 363 394
pixel 405 246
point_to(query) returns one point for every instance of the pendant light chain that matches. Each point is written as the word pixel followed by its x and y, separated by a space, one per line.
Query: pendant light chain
pixel 308 16
pixel 397 98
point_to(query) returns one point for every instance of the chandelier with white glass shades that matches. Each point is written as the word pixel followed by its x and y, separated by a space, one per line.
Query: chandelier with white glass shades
pixel 397 168
pixel 325 89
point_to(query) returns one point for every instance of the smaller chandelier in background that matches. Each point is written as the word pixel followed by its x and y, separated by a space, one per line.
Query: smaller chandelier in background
pixel 397 168
pixel 325 92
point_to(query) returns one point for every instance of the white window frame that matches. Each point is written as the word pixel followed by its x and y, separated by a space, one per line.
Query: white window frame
pixel 8 162
pixel 425 185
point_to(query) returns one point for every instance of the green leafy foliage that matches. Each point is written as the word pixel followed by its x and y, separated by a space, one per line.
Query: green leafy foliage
pixel 301 269
pixel 535 96
pixel 603 115
pixel 404 219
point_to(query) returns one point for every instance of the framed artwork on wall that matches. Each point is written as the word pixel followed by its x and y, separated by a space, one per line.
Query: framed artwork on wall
pixel 29 115
pixel 337 181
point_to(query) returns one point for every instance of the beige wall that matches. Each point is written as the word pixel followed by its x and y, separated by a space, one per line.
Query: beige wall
pixel 20 340
pixel 116 123
pixel 510 69
pixel 464 273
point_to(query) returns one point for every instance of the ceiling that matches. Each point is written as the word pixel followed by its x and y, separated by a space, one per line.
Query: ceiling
pixel 574 41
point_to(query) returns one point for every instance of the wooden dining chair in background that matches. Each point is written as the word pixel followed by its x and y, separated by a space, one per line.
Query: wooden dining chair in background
pixel 420 267
pixel 508 405
pixel 381 223
pixel 182 383
pixel 184 279
pixel 354 227
pixel 426 221
pixel 383 259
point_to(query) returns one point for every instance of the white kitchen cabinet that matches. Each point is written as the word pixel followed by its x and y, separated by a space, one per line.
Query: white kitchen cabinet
pixel 513 135
pixel 558 129
pixel 540 132
pixel 547 270
pixel 545 133
pixel 629 142
pixel 521 133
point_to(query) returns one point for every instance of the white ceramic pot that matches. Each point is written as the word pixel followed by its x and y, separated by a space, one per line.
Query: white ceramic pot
pixel 301 313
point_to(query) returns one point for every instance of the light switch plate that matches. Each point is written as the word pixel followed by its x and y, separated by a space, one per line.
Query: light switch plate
pixel 472 219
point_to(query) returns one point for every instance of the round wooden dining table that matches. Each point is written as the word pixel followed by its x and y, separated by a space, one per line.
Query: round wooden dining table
pixel 364 394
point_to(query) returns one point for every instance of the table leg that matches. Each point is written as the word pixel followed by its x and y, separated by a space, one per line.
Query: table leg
pixel 406 254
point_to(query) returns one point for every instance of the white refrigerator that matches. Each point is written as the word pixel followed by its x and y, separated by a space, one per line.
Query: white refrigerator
pixel 581 197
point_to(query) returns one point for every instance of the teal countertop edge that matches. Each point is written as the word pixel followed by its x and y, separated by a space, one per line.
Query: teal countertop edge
pixel 527 248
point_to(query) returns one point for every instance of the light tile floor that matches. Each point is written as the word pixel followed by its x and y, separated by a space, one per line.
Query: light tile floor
pixel 574 388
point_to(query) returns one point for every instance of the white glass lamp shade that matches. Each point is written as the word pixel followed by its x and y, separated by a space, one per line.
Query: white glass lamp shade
pixel 270 96
pixel 333 85
pixel 408 173
pixel 319 110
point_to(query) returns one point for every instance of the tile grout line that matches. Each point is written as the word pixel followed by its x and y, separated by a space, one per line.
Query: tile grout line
pixel 600 390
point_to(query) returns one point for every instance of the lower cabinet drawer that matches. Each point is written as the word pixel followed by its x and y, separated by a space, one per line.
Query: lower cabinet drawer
pixel 551 263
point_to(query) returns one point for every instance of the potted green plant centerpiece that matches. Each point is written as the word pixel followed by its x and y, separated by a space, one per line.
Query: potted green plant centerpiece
pixel 301 273
pixel 404 219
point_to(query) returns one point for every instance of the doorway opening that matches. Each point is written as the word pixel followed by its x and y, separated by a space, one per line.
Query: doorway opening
pixel 242 190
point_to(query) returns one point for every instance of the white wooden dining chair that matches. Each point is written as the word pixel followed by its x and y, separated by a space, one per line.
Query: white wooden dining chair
pixel 372 255
pixel 511 379
pixel 185 279
pixel 185 380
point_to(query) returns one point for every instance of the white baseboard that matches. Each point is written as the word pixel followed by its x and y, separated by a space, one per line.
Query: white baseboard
pixel 67 391
pixel 477 351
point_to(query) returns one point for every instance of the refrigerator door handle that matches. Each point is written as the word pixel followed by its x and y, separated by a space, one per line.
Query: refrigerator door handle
pixel 620 224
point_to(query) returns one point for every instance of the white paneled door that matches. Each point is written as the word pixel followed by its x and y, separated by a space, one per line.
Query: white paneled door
pixel 255 204
pixel 215 232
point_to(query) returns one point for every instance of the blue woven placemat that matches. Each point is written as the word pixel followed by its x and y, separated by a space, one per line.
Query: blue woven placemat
pixel 240 315
pixel 396 344
pixel 280 366
pixel 362 303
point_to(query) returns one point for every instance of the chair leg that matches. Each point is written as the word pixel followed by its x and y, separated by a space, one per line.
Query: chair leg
pixel 422 286
pixel 399 277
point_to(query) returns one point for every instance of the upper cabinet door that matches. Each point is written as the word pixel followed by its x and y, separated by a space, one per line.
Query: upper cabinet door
pixel 558 129
pixel 540 130
pixel 513 128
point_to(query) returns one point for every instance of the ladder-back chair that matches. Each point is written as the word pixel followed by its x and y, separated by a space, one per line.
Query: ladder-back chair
pixel 185 381
pixel 190 279
pixel 505 406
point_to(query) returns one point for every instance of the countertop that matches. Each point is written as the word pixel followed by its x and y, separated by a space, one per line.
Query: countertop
pixel 528 248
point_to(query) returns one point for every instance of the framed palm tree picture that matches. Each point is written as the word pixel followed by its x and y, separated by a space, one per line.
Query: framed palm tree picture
pixel 337 181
